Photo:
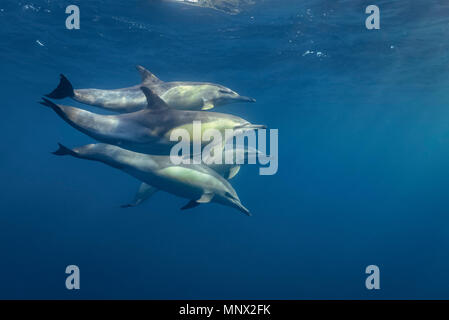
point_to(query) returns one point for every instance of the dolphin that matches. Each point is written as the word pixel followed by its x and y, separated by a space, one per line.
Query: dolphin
pixel 183 95
pixel 149 130
pixel 196 182
pixel 228 171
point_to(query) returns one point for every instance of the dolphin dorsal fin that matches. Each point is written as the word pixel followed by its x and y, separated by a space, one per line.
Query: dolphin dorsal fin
pixel 147 76
pixel 206 197
pixel 153 100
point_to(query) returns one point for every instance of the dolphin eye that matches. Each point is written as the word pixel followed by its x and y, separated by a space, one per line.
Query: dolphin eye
pixel 224 91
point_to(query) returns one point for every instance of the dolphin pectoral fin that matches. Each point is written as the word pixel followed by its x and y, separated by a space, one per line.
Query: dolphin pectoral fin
pixel 207 105
pixel 63 151
pixel 206 197
pixel 147 76
pixel 144 193
pixel 191 204
pixel 233 172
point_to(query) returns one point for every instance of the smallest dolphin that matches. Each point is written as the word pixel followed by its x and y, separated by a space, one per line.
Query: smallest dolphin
pixel 181 95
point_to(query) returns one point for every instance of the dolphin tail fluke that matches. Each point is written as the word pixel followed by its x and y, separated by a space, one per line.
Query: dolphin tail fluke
pixel 148 77
pixel 64 151
pixel 54 106
pixel 64 89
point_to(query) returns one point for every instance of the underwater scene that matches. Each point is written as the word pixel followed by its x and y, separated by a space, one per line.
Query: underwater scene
pixel 122 175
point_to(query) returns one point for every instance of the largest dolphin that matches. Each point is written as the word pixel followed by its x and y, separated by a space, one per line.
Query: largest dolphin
pixel 196 182
pixel 149 130
pixel 183 95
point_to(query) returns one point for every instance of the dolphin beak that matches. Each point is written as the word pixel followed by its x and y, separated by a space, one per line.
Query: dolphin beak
pixel 246 99
pixel 238 205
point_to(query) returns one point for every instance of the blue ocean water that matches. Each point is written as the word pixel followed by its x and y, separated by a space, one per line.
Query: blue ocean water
pixel 363 153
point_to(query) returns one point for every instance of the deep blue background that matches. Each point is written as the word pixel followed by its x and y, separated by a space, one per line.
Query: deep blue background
pixel 363 163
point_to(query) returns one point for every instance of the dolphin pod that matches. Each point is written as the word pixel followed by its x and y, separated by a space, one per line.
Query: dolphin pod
pixel 138 140
pixel 183 95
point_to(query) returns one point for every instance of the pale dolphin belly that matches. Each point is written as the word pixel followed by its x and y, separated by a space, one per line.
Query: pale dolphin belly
pixel 190 181
pixel 178 180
